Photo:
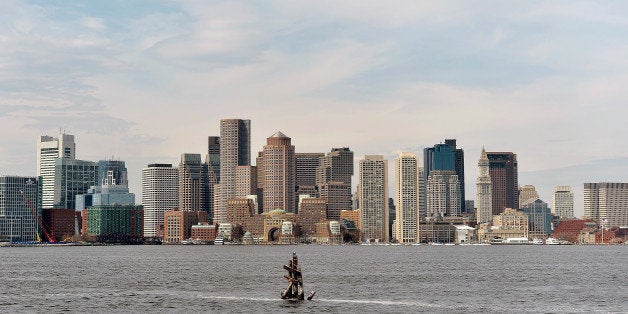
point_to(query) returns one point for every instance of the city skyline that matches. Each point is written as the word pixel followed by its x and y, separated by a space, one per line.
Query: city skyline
pixel 377 77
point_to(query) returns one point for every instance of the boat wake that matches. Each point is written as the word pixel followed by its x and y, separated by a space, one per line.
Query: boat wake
pixel 374 302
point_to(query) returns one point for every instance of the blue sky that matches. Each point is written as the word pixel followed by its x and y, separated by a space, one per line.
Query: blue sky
pixel 145 81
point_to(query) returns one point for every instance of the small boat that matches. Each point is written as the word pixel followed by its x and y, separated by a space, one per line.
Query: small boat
pixel 537 241
pixel 552 241
pixel 219 241
pixel 294 292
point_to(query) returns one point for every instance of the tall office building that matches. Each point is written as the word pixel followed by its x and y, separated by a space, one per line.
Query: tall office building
pixel 17 222
pixel 279 173
pixel 527 192
pixel 307 165
pixel 407 189
pixel 48 149
pixel 562 202
pixel 213 158
pixel 235 150
pixel 443 194
pixel 422 194
pixel 484 196
pixel 112 172
pixel 111 188
pixel 333 180
pixel 539 217
pixel 160 193
pixel 246 181
pixel 459 168
pixel 606 203
pixel 504 180
pixel 72 177
pixel 445 157
pixel 193 184
pixel 373 196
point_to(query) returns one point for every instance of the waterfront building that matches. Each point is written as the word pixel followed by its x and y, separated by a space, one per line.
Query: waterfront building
pixel 203 231
pixel 72 177
pixel 570 230
pixel 246 181
pixel 333 180
pixel 160 193
pixel 484 196
pixel 113 223
pixel 526 193
pixel 436 232
pixel 193 184
pixel 307 165
pixel 235 150
pixel 407 193
pixel 313 210
pixel 178 224
pixel 17 221
pixel 48 150
pixel 503 170
pixel 279 173
pixel 464 234
pixel 443 194
pixel 213 158
pixel 539 218
pixel 509 224
pixel 328 232
pixel 242 212
pixel 62 223
pixel 606 203
pixel 562 202
pixel 351 215
pixel 373 196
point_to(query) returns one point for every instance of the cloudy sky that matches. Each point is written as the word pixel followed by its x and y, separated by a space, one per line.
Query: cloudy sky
pixel 147 81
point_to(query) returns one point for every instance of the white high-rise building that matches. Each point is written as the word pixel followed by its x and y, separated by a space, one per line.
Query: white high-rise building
pixel 443 194
pixel 407 198
pixel 160 193
pixel 48 149
pixel 235 150
pixel 484 196
pixel 562 202
pixel 373 196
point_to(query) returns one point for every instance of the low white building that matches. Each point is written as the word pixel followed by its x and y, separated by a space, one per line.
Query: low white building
pixel 464 234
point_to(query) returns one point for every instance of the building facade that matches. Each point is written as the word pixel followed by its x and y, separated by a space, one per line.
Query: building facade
pixel 48 150
pixel 279 174
pixel 333 180
pixel 235 150
pixel 72 177
pixel 407 195
pixel 443 194
pixel 178 224
pixel 113 223
pixel 562 202
pixel 160 193
pixel 539 218
pixel 246 181
pixel 484 197
pixel 606 203
pixel 193 184
pixel 526 193
pixel 17 219
pixel 504 173
pixel 373 196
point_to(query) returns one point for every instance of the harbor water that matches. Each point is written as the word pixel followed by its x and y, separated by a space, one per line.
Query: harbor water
pixel 347 278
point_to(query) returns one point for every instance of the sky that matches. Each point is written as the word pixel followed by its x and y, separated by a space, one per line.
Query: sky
pixel 144 81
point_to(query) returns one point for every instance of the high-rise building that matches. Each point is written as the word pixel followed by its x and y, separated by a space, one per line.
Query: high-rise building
pixel 160 193
pixel 539 217
pixel 373 196
pixel 246 181
pixel 213 158
pixel 459 168
pixel 49 149
pixel 72 177
pixel 527 192
pixel 407 189
pixel 562 202
pixel 422 194
pixel 279 173
pixel 443 194
pixel 504 180
pixel 445 157
pixel 235 150
pixel 484 196
pixel 112 172
pixel 17 221
pixel 307 165
pixel 333 180
pixel 606 203
pixel 193 184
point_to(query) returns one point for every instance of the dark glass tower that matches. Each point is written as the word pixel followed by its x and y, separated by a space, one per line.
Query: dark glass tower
pixel 504 179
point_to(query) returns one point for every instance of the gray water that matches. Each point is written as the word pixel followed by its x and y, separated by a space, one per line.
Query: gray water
pixel 387 279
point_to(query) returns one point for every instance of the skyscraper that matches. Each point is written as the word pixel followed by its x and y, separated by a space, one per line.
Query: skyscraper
pixel 160 193
pixel 307 165
pixel 235 150
pixel 72 177
pixel 246 181
pixel 445 157
pixel 48 149
pixel 606 203
pixel 373 196
pixel 562 202
pixel 333 180
pixel 504 180
pixel 193 187
pixel 279 173
pixel 113 170
pixel 459 167
pixel 539 217
pixel 17 222
pixel 484 197
pixel 213 158
pixel 526 193
pixel 443 194
pixel 407 189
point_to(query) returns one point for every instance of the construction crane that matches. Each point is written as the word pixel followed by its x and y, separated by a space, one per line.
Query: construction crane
pixel 47 234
